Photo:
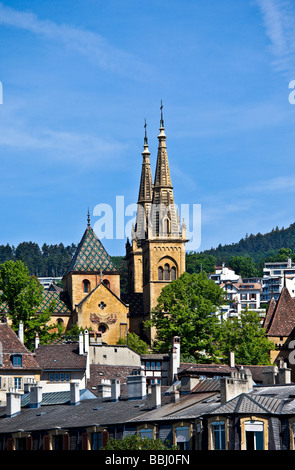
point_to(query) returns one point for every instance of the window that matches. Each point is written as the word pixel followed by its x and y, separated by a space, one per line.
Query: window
pixel 198 437
pixel 86 286
pixel 146 433
pixel 96 441
pixel 17 360
pixel 218 435
pixel 106 283
pixel 182 438
pixel 59 377
pixel 160 273
pixel 167 272
pixel 254 435
pixel 17 383
pixel 57 442
pixel 173 273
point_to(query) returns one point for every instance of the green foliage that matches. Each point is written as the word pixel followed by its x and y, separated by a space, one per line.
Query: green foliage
pixel 135 343
pixel 23 295
pixel 186 308
pixel 136 443
pixel 246 337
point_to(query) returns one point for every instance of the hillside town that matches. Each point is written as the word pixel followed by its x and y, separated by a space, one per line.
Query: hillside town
pixel 80 393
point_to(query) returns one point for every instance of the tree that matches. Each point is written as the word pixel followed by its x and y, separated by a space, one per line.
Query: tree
pixel 186 307
pixel 135 343
pixel 22 294
pixel 136 443
pixel 246 337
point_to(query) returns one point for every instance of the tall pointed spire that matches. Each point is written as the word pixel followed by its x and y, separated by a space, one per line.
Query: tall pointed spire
pixel 164 218
pixel 145 190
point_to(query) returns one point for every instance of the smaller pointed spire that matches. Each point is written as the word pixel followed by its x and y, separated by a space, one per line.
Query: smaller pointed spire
pixel 88 218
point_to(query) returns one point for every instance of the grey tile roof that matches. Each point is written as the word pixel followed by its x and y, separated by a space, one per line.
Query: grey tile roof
pixel 60 357
pixel 89 412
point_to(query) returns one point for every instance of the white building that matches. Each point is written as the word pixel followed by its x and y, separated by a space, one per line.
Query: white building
pixel 275 276
pixel 241 296
pixel 223 274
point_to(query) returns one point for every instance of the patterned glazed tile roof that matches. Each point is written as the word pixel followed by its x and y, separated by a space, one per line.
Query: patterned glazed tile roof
pixel 60 298
pixel 91 255
pixel 61 306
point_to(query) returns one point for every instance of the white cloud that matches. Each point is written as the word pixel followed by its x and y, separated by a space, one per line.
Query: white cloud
pixel 279 20
pixel 90 44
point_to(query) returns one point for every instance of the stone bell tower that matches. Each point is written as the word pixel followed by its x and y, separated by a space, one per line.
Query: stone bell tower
pixel 156 255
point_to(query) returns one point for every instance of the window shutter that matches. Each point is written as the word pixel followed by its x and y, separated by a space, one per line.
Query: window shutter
pixel 46 442
pixel 85 441
pixel 29 443
pixel 104 437
pixel 66 441
pixel 10 443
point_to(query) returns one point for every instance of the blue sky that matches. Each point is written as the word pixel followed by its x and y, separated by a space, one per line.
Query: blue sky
pixel 80 77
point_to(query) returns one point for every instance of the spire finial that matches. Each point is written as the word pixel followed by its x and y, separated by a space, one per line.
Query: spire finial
pixel 145 134
pixel 162 120
pixel 88 219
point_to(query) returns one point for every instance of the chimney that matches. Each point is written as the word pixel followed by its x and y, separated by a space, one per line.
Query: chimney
pixel 75 393
pixel 13 403
pixel 154 398
pixel 232 359
pixel 115 389
pixel 86 350
pixel 174 395
pixel 28 384
pixel 104 389
pixel 269 375
pixel 284 375
pixel 188 382
pixel 36 341
pixel 136 383
pixel 35 396
pixel 81 344
pixel 237 383
pixel 21 331
pixel 174 358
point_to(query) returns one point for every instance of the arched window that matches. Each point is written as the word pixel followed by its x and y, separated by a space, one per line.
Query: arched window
pixel 160 273
pixel 86 286
pixel 166 272
pixel 106 283
pixel 173 273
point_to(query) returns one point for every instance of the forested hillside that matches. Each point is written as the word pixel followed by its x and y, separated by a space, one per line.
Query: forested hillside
pixel 246 257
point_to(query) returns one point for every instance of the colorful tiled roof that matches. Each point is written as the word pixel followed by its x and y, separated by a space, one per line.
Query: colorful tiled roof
pixel 91 255
pixel 61 306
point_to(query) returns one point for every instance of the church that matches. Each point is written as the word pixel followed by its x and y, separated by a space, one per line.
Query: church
pixel 155 255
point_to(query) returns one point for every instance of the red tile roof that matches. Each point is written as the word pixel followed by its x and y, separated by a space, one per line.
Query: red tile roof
pixel 280 318
pixel 11 344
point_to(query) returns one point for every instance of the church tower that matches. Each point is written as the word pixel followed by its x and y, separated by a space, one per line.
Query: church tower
pixel 159 257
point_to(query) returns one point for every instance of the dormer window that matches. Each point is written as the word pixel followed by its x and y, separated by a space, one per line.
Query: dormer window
pixel 17 360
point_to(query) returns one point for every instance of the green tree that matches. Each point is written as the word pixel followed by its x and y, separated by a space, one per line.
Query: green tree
pixel 246 337
pixel 186 307
pixel 244 266
pixel 135 343
pixel 136 443
pixel 22 294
